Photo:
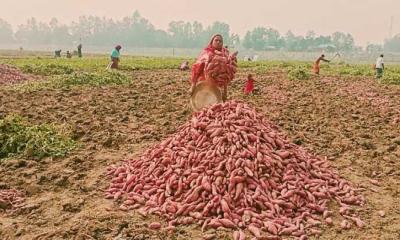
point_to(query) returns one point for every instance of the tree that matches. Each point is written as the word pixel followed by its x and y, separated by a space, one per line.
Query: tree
pixel 6 32
pixel 199 37
pixel 292 41
pixel 234 40
pixel 220 28
pixel 343 42
pixel 34 32
pixel 59 32
pixel 161 39
pixel 137 31
pixel 392 44
pixel 247 41
pixel 273 39
pixel 81 29
pixel 323 40
pixel 179 33
pixel 374 48
pixel 258 38
pixel 310 35
pixel 309 40
pixel 262 38
pixel 140 32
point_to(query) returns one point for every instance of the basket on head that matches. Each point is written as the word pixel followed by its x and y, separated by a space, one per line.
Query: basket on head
pixel 205 94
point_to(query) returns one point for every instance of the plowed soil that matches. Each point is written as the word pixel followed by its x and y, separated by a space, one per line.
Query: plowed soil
pixel 352 121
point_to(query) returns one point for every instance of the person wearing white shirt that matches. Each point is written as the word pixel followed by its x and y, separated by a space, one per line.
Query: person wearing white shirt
pixel 379 66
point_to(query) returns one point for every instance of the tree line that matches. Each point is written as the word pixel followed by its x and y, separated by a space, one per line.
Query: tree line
pixel 137 31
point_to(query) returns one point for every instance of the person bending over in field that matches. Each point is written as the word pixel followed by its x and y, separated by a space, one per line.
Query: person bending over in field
pixel 57 53
pixel 214 47
pixel 115 54
pixel 184 66
pixel 317 63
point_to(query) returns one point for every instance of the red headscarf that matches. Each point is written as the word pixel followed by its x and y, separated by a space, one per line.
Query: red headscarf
pixel 212 50
pixel 204 57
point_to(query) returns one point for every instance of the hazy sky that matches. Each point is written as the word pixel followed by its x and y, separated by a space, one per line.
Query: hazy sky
pixel 366 20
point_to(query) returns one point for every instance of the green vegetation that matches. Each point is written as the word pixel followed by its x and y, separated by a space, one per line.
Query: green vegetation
pixel 91 71
pixel 93 79
pixel 299 73
pixel 47 69
pixel 17 137
pixel 343 69
pixel 391 78
pixel 47 66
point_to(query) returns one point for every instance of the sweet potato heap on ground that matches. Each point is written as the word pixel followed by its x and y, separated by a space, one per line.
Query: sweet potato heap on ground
pixel 10 75
pixel 230 167
pixel 11 199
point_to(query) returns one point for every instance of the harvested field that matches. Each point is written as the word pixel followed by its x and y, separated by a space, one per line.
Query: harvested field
pixel 350 120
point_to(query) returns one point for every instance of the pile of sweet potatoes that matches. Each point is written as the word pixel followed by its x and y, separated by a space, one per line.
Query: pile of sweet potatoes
pixel 230 167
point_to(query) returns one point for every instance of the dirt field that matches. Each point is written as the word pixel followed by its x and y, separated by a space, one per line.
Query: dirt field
pixel 352 121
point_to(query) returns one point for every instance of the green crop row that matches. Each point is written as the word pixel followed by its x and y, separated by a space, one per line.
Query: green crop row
pixel 93 79
pixel 93 68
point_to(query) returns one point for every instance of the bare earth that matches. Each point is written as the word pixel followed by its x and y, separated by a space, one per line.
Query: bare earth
pixel 351 121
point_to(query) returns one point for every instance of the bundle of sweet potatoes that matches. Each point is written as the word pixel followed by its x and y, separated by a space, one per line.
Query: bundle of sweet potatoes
pixel 221 70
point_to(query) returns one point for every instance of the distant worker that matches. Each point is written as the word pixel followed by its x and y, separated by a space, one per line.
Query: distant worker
pixel 184 66
pixel 69 55
pixel 79 50
pixel 57 53
pixel 115 54
pixel 249 87
pixel 379 66
pixel 317 63
pixel 247 58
